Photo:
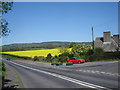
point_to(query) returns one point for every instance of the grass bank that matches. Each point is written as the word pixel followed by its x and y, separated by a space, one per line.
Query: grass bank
pixel 14 57
pixel 2 72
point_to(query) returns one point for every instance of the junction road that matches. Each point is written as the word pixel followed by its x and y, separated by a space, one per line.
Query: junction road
pixel 99 75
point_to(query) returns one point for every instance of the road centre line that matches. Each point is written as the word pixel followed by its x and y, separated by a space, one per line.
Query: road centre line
pixel 100 72
pixel 65 78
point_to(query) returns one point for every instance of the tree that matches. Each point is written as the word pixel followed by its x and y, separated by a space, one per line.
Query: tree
pixel 72 44
pixel 4 8
pixel 98 50
pixel 64 50
pixel 49 46
pixel 79 49
pixel 49 57
pixel 98 54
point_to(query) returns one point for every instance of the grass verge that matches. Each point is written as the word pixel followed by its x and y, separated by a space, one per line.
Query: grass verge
pixel 14 57
pixel 2 72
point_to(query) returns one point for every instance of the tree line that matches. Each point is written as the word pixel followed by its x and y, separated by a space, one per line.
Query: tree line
pixel 80 51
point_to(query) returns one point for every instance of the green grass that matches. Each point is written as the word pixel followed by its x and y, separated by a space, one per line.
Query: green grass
pixel 13 57
pixel 2 71
pixel 0 68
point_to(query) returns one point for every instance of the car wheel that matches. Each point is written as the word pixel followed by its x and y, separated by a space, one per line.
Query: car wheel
pixel 79 62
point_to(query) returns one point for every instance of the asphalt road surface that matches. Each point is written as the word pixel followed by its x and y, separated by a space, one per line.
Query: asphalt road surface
pixel 98 75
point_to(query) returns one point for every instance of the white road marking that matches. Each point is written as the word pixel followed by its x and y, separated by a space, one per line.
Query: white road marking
pixel 64 78
pixel 96 72
pixel 102 72
pixel 99 72
pixel 93 71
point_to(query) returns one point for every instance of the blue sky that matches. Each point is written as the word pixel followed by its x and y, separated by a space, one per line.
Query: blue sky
pixel 34 22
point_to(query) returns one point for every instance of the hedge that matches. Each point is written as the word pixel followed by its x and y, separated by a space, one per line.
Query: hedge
pixel 103 56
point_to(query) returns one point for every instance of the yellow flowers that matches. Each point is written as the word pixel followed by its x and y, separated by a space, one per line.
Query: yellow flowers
pixel 32 53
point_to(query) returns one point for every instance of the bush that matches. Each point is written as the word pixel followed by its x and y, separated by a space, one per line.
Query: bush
pixel 76 55
pixel 63 57
pixel 98 50
pixel 90 52
pixel 35 58
pixel 55 59
pixel 99 54
pixel 49 57
pixel 111 55
pixel 41 58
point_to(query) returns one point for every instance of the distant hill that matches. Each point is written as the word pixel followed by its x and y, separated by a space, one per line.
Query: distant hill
pixel 36 46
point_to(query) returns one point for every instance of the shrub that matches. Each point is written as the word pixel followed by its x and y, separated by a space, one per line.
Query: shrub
pixel 55 60
pixel 49 57
pixel 35 58
pixel 90 52
pixel 99 54
pixel 96 54
pixel 62 58
pixel 98 50
pixel 111 55
pixel 41 58
pixel 76 55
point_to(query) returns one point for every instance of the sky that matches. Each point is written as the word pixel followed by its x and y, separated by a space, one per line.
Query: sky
pixel 35 22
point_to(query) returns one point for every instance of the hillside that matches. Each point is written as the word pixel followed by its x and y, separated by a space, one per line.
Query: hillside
pixel 37 46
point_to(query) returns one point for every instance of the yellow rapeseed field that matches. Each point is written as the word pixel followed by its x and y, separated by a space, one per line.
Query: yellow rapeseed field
pixel 32 53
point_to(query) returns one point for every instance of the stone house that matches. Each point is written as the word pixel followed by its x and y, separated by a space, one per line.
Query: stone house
pixel 108 42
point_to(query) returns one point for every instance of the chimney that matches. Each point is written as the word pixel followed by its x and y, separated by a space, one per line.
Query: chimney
pixel 107 36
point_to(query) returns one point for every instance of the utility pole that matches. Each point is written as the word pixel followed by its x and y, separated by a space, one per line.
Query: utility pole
pixel 92 38
pixel 118 42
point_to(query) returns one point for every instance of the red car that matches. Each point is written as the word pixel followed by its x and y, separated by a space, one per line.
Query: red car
pixel 75 60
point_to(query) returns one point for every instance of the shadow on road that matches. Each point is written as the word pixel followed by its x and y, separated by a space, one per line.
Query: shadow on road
pixel 7 84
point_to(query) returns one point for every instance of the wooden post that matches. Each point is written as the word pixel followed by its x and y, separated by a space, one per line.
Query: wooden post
pixel 92 38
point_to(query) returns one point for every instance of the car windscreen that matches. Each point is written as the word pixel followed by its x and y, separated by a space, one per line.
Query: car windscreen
pixel 72 58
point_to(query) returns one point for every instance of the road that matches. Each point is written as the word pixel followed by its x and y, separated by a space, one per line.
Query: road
pixel 103 75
